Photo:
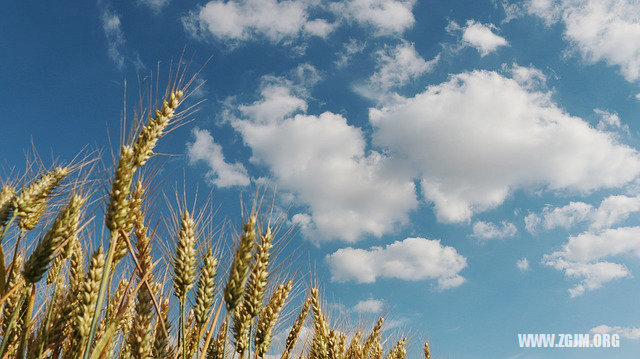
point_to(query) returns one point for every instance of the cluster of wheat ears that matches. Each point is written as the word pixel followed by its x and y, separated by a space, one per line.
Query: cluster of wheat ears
pixel 55 303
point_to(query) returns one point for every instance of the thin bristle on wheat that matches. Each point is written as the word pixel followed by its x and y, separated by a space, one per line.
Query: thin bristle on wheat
pixel 240 268
pixel 268 318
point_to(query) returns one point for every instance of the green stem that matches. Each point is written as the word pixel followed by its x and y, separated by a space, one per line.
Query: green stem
pixel 12 321
pixel 250 338
pixel 13 260
pixel 224 343
pixel 13 217
pixel 27 321
pixel 45 325
pixel 182 328
pixel 103 288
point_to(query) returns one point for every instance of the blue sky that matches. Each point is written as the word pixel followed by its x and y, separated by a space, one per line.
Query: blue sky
pixel 469 169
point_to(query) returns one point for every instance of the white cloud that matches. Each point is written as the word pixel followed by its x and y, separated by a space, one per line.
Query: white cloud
pixel 322 161
pixel 411 259
pixel 115 37
pixel 481 37
pixel 238 20
pixel 637 96
pixel 221 173
pixel 528 77
pixel 155 5
pixel 562 217
pixel 287 20
pixel 386 17
pixel 628 333
pixel 277 102
pixel 601 30
pixel 582 257
pixel 523 264
pixel 479 136
pixel 395 67
pixel 369 306
pixel 610 120
pixel 548 10
pixel 612 210
pixel 352 47
pixel 488 230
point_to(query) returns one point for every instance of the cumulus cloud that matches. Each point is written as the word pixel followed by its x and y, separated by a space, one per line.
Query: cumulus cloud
pixel 369 306
pixel 523 264
pixel 412 259
pixel 321 159
pixel 221 173
pixel 625 332
pixel 482 37
pixel 479 136
pixel 395 67
pixel 386 17
pixel 112 28
pixel 238 20
pixel 582 257
pixel 600 30
pixel 284 21
pixel 611 210
pixel 488 230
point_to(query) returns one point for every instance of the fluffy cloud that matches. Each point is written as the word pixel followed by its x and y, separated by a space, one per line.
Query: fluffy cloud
pixel 601 30
pixel 286 20
pixel 396 66
pixel 221 173
pixel 488 230
pixel 582 257
pixel 385 16
pixel 481 37
pixel 628 333
pixel 369 306
pixel 563 217
pixel 479 136
pixel 612 210
pixel 246 19
pixel 115 36
pixel 411 259
pixel 528 77
pixel 523 264
pixel 322 161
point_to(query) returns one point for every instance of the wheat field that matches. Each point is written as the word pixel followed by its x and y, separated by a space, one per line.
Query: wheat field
pixel 64 296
